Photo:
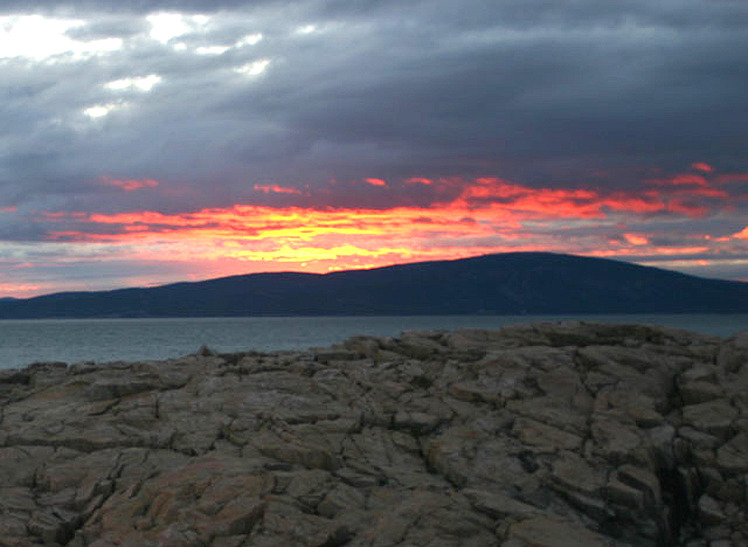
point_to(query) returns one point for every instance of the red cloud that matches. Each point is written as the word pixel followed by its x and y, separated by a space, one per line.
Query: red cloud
pixel 742 234
pixel 636 239
pixel 685 179
pixel 493 204
pixel 684 193
pixel 735 177
pixel 129 185
pixel 701 166
pixel 488 214
pixel 375 182
pixel 275 189
pixel 556 203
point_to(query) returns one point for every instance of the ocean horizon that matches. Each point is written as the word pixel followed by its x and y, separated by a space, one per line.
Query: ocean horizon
pixel 27 341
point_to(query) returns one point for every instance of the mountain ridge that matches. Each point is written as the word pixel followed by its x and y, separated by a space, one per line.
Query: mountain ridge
pixel 508 283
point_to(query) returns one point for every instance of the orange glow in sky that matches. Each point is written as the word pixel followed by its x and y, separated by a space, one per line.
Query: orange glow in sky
pixel 486 215
pixel 636 239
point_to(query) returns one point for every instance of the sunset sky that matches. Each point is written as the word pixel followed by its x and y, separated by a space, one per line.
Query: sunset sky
pixel 143 143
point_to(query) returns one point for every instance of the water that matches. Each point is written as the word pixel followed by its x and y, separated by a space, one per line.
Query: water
pixel 74 340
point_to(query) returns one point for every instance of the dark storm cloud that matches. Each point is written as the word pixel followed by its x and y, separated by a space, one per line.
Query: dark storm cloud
pixel 428 88
pixel 632 85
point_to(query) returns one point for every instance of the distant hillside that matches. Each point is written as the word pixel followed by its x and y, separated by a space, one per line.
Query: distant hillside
pixel 513 283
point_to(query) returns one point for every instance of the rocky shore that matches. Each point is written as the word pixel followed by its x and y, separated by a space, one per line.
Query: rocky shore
pixel 541 434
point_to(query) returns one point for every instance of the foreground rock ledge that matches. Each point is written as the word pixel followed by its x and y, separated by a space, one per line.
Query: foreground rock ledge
pixel 541 434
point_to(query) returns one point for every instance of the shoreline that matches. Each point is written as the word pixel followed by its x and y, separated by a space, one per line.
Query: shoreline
pixel 601 434
pixel 74 341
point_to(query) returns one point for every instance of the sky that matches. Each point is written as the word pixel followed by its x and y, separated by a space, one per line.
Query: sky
pixel 143 143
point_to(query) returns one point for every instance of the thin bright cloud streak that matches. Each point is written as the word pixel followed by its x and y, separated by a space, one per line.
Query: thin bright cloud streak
pixel 254 68
pixel 101 110
pixel 128 185
pixel 142 83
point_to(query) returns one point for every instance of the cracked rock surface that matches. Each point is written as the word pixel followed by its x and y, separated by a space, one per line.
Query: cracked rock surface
pixel 537 434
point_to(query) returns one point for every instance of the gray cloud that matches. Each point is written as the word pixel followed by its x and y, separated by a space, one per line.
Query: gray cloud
pixel 433 88
pixel 543 93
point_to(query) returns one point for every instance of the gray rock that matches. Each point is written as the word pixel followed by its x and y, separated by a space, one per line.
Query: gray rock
pixel 732 457
pixel 643 480
pixel 713 417
pixel 499 505
pixel 710 511
pixel 620 493
pixel 733 354
pixel 544 438
pixel 700 392
pixel 543 434
pixel 571 473
pixel 550 532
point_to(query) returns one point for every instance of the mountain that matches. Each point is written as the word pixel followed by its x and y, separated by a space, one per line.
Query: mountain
pixel 512 283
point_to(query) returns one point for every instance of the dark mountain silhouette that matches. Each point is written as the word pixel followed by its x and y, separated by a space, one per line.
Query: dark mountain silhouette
pixel 513 283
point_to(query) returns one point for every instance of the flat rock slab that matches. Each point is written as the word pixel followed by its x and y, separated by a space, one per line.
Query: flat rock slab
pixel 542 434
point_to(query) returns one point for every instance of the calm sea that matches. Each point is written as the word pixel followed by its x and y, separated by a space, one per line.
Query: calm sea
pixel 73 340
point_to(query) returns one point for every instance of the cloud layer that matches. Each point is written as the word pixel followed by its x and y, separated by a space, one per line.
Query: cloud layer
pixel 149 142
